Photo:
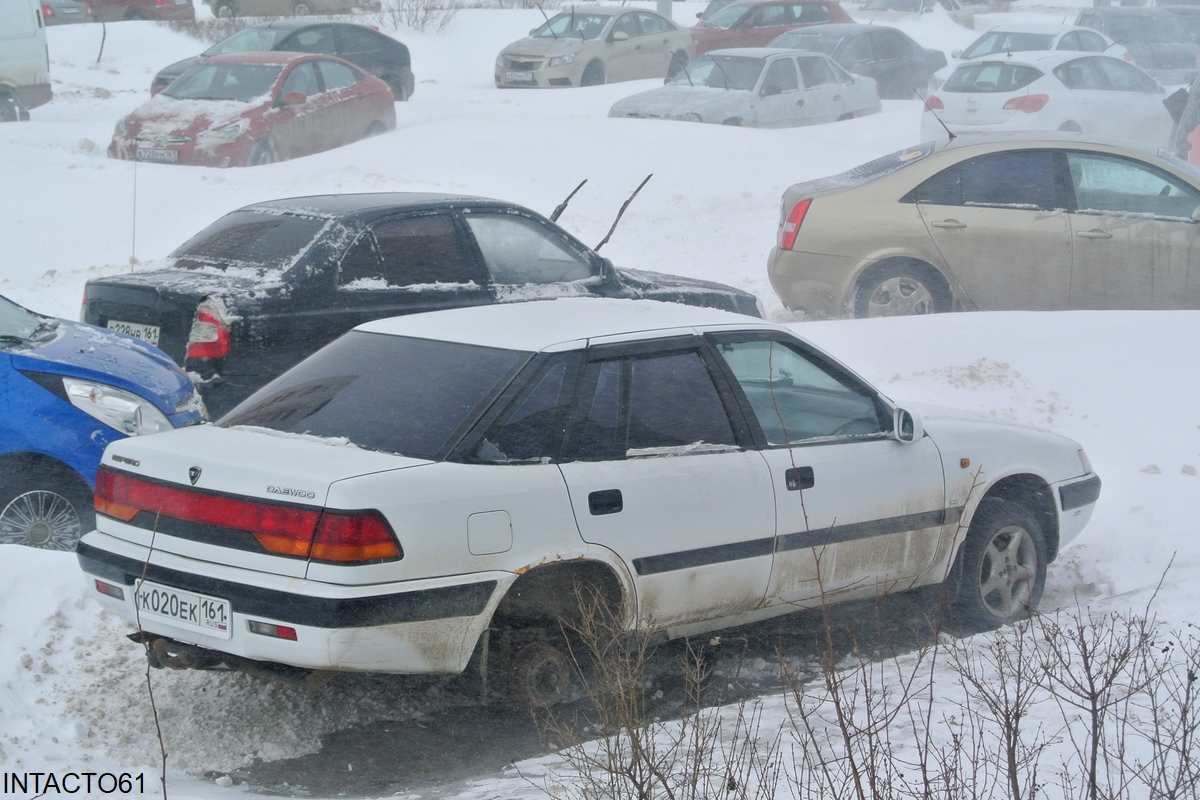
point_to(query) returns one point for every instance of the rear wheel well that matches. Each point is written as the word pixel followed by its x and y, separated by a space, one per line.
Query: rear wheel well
pixel 1034 494
pixel 928 273
pixel 558 594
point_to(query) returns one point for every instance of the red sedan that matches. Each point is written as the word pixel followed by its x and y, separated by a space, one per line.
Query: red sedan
pixel 245 109
pixel 754 23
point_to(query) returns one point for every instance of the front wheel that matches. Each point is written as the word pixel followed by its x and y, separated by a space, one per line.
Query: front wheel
pixel 1003 566
pixel 262 153
pixel 224 10
pixel 47 512
pixel 898 291
pixel 593 74
pixel 302 8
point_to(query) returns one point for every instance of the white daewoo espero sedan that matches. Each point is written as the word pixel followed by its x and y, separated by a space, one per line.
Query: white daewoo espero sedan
pixel 429 486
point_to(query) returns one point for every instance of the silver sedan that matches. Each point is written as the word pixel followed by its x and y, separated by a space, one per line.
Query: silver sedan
pixel 757 87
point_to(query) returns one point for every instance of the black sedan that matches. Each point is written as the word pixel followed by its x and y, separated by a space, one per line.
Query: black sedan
pixel 266 285
pixel 899 65
pixel 364 47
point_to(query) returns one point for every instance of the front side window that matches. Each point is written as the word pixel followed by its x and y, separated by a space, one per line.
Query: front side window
pixel 796 397
pixel 302 79
pixel 1111 184
pixel 408 251
pixel 519 251
pixel 627 24
pixel 572 25
pixel 721 72
pixel 412 397
pixel 1020 179
pixel 816 72
pixel 781 77
pixel 646 405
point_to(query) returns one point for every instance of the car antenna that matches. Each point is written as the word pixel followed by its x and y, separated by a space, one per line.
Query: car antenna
pixel 561 207
pixel 929 108
pixel 548 26
pixel 624 206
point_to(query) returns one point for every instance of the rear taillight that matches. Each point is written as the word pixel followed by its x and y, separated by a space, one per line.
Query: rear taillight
pixel 1028 104
pixel 47 11
pixel 83 307
pixel 791 226
pixel 341 537
pixel 933 103
pixel 209 337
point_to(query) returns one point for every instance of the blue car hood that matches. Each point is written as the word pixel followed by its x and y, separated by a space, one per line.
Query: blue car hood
pixel 90 353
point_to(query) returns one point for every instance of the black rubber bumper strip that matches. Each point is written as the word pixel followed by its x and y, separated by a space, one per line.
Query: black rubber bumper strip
pixel 467 600
pixel 1075 495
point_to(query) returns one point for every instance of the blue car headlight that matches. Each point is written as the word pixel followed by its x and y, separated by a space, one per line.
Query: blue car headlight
pixel 120 410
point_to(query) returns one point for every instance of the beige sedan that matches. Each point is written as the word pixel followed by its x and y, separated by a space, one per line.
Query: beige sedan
pixel 1028 221
pixel 595 45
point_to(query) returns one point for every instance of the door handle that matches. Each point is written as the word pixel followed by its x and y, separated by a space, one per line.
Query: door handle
pixel 837 97
pixel 800 102
pixel 798 478
pixel 1094 233
pixel 949 224
pixel 606 501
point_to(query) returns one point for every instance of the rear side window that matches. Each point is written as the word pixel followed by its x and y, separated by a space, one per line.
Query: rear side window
pixel 250 239
pixel 985 78
pixel 337 76
pixel 810 13
pixel 413 397
pixel 311 40
pixel 1022 179
pixel 408 251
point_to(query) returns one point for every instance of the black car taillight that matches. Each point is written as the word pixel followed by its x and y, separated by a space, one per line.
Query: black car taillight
pixel 209 337
pixel 340 537
pixel 791 227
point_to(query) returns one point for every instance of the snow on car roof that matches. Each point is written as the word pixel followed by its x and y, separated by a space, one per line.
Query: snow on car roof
pixel 564 323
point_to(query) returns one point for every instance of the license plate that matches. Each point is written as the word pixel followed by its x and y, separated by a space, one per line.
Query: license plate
pixel 518 77
pixel 194 612
pixel 153 154
pixel 147 333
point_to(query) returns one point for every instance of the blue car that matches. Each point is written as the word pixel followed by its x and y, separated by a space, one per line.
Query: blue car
pixel 66 391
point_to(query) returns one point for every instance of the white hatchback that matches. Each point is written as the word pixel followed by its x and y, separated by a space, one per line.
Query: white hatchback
pixel 434 486
pixel 1050 91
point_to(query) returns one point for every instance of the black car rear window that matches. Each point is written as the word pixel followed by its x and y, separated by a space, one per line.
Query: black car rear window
pixel 413 397
pixel 250 239
pixel 990 77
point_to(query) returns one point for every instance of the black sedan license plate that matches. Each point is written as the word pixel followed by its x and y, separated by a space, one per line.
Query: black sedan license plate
pixel 154 154
pixel 194 612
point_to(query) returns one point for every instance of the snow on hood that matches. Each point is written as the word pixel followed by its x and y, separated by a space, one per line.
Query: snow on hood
pixel 546 46
pixel 165 115
pixel 674 100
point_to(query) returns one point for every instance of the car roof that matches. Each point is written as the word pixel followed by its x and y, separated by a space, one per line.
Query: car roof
pixel 836 29
pixel 762 52
pixel 332 205
pixel 561 324
pixel 1036 58
pixel 263 57
pixel 297 24
pixel 749 3
pixel 1033 139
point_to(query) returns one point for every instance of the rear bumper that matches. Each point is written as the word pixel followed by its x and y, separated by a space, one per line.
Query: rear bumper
pixel 411 627
pixel 817 284
pixel 35 95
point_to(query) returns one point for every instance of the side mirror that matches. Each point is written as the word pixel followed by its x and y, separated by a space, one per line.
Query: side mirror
pixel 956 53
pixel 699 15
pixel 1196 215
pixel 907 426
pixel 293 99
pixel 619 36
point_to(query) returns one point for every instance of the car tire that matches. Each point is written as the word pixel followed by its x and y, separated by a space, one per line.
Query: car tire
pixel 10 109
pixel 399 82
pixel 901 290
pixel 302 8
pixel 593 74
pixel 1002 567
pixel 678 62
pixel 261 153
pixel 224 9
pixel 375 129
pixel 540 675
pixel 45 508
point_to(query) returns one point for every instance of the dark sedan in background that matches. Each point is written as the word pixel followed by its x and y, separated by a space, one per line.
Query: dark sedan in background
pixel 899 65
pixel 368 49
pixel 1154 37
pixel 266 285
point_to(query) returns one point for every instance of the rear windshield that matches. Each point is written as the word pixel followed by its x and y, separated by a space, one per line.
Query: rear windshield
pixel 413 397
pixel 985 78
pixel 250 239
pixel 1133 28
pixel 812 42
pixel 1007 42
pixel 247 40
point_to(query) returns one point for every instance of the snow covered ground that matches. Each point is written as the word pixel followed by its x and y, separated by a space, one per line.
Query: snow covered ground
pixel 72 689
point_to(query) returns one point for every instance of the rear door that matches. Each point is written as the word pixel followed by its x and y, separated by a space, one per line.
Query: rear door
pixel 1000 223
pixel 657 475
pixel 823 93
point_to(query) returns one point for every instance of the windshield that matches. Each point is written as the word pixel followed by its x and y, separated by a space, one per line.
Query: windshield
pixel 412 397
pixel 572 25
pixel 893 5
pixel 250 239
pixel 248 40
pixel 244 82
pixel 1002 42
pixel 1146 28
pixel 727 17
pixel 721 72
pixel 19 324
pixel 812 42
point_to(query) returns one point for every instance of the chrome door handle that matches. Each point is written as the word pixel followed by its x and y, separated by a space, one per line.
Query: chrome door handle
pixel 1093 234
pixel 949 224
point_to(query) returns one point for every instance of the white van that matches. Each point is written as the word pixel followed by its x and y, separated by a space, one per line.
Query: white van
pixel 24 59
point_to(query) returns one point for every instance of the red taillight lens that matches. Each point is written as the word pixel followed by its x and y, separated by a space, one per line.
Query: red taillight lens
pixel 341 537
pixel 1028 104
pixel 83 307
pixel 933 103
pixel 47 11
pixel 791 227
pixel 209 337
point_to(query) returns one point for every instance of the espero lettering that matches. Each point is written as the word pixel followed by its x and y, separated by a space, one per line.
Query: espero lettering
pixel 291 492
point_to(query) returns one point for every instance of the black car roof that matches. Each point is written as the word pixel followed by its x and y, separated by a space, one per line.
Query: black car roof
pixel 341 204
pixel 838 28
